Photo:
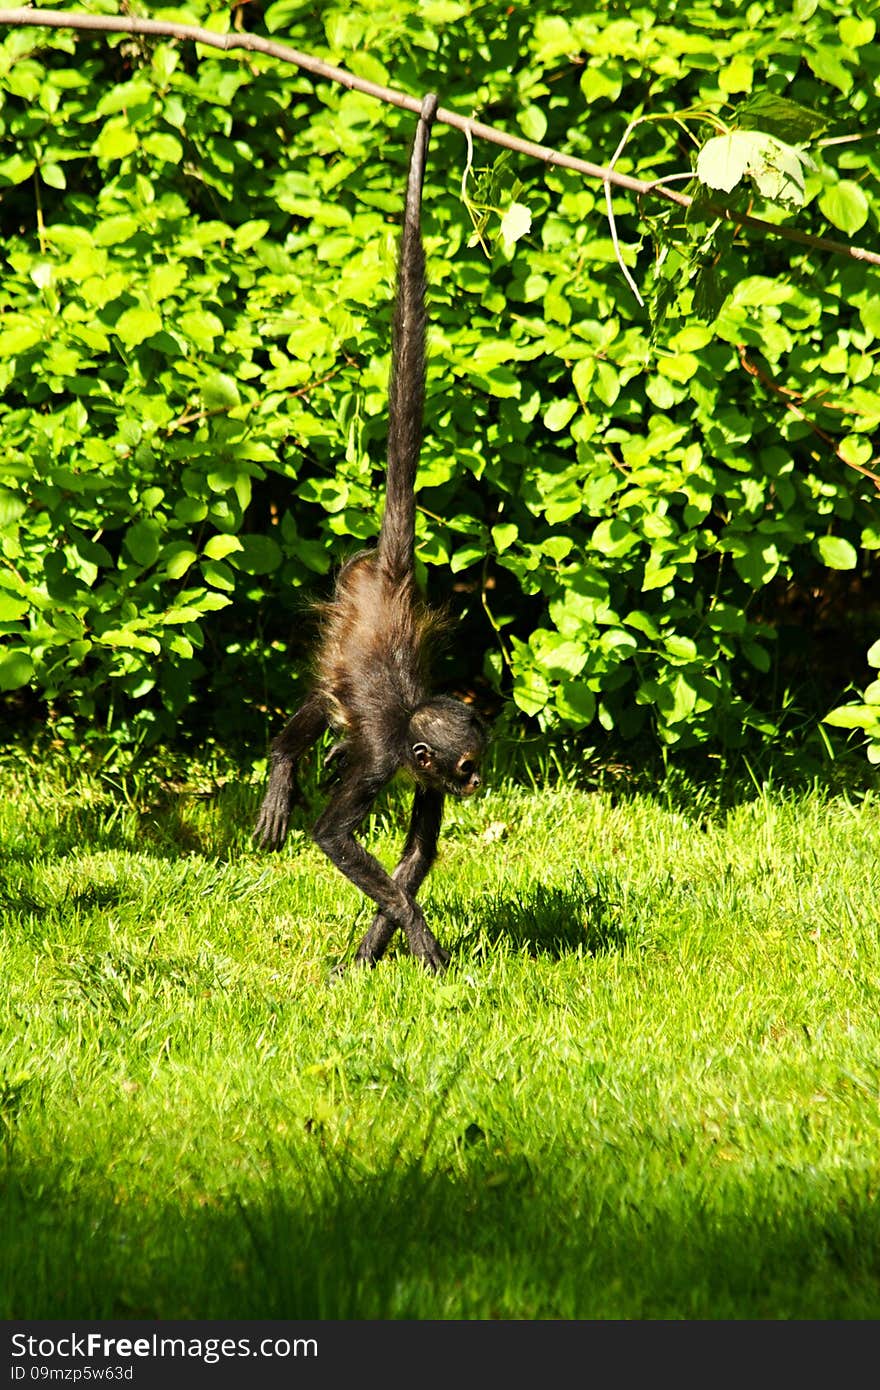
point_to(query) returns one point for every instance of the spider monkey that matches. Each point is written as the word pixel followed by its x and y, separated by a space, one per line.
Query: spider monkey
pixel 370 681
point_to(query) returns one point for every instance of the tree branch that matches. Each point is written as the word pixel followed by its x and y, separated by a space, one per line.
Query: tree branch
pixel 253 43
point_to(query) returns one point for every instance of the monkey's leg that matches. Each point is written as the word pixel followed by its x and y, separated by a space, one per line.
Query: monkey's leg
pixel 297 736
pixel 334 833
pixel 418 855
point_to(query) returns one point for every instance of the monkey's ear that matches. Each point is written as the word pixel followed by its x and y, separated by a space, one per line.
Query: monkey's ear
pixel 423 754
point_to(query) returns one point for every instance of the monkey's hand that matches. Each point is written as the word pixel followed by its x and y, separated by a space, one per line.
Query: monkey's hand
pixel 334 763
pixel 270 831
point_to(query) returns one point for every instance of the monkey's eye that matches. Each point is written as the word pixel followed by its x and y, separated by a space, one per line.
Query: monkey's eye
pixel 467 766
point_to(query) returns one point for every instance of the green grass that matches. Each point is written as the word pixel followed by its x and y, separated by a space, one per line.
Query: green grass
pixel 648 1087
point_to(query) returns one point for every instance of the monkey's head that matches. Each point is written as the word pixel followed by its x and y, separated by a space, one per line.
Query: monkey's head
pixel 447 741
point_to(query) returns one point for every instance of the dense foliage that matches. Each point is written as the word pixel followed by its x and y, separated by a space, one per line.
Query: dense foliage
pixel 636 510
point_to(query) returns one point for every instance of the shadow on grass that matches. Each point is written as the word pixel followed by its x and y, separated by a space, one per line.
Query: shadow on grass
pixel 316 1237
pixel 93 898
pixel 545 919
pixel 169 824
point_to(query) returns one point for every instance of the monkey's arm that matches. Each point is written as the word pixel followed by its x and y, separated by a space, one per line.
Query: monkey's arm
pixel 295 739
pixel 334 833
pixel 418 855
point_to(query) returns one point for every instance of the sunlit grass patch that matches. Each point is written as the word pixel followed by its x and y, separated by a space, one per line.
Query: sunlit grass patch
pixel 647 1087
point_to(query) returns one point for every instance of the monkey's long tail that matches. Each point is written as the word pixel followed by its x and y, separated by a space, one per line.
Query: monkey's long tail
pixel 406 388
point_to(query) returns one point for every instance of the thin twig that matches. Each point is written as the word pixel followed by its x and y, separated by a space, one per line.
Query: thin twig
pixel 189 417
pixel 785 395
pixel 612 227
pixel 124 24
pixel 471 206
pixel 609 207
pixel 493 622
pixel 41 225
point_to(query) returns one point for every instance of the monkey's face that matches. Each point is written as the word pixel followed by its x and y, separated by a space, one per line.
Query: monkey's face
pixel 447 740
pixel 447 770
pixel 467 773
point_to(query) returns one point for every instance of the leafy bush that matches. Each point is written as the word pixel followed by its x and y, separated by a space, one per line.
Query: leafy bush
pixel 198 262
pixel 864 715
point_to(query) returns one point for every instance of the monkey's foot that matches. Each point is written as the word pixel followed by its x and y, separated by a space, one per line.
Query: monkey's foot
pixel 375 941
pixel 437 962
pixel 426 948
pixel 422 944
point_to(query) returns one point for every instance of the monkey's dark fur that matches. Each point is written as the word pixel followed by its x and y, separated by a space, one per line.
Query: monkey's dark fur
pixel 371 667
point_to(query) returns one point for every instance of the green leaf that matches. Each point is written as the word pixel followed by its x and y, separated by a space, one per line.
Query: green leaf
pixel 192 510
pixel 123 96
pixel 16 169
pixel 219 546
pixel 723 160
pixel 856 449
pixel 182 613
pixel 115 141
pixel 856 33
pixel 755 557
pixel 200 325
pixel 845 206
pixel 681 648
pixel 623 644
pixel 836 553
pixel 249 233
pixel 219 391
pixel 465 556
pixel 515 223
pixel 576 703
pixel 53 175
pixel 135 325
pixel 828 68
pixel 258 555
pixel 558 414
pixel 11 608
pixel 177 558
pixel 166 148
pixel 852 717
pixel 114 230
pixel 560 657
pixel 642 622
pixel 530 691
pixel 533 123
pixel 757 656
pixel 710 292
pixel 738 75
pixel 16 669
pixel 130 640
pixel 613 537
pixel 869 313
pixel 777 168
pixel 218 575
pixel 605 82
pixel 683 699
pixel 785 119
pixel 282 14
pixel 557 547
pixel 143 542
pixel 19 337
pixel 181 646
pixel 503 536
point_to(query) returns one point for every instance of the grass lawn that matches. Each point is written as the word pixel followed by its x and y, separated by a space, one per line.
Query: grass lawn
pixel 648 1086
